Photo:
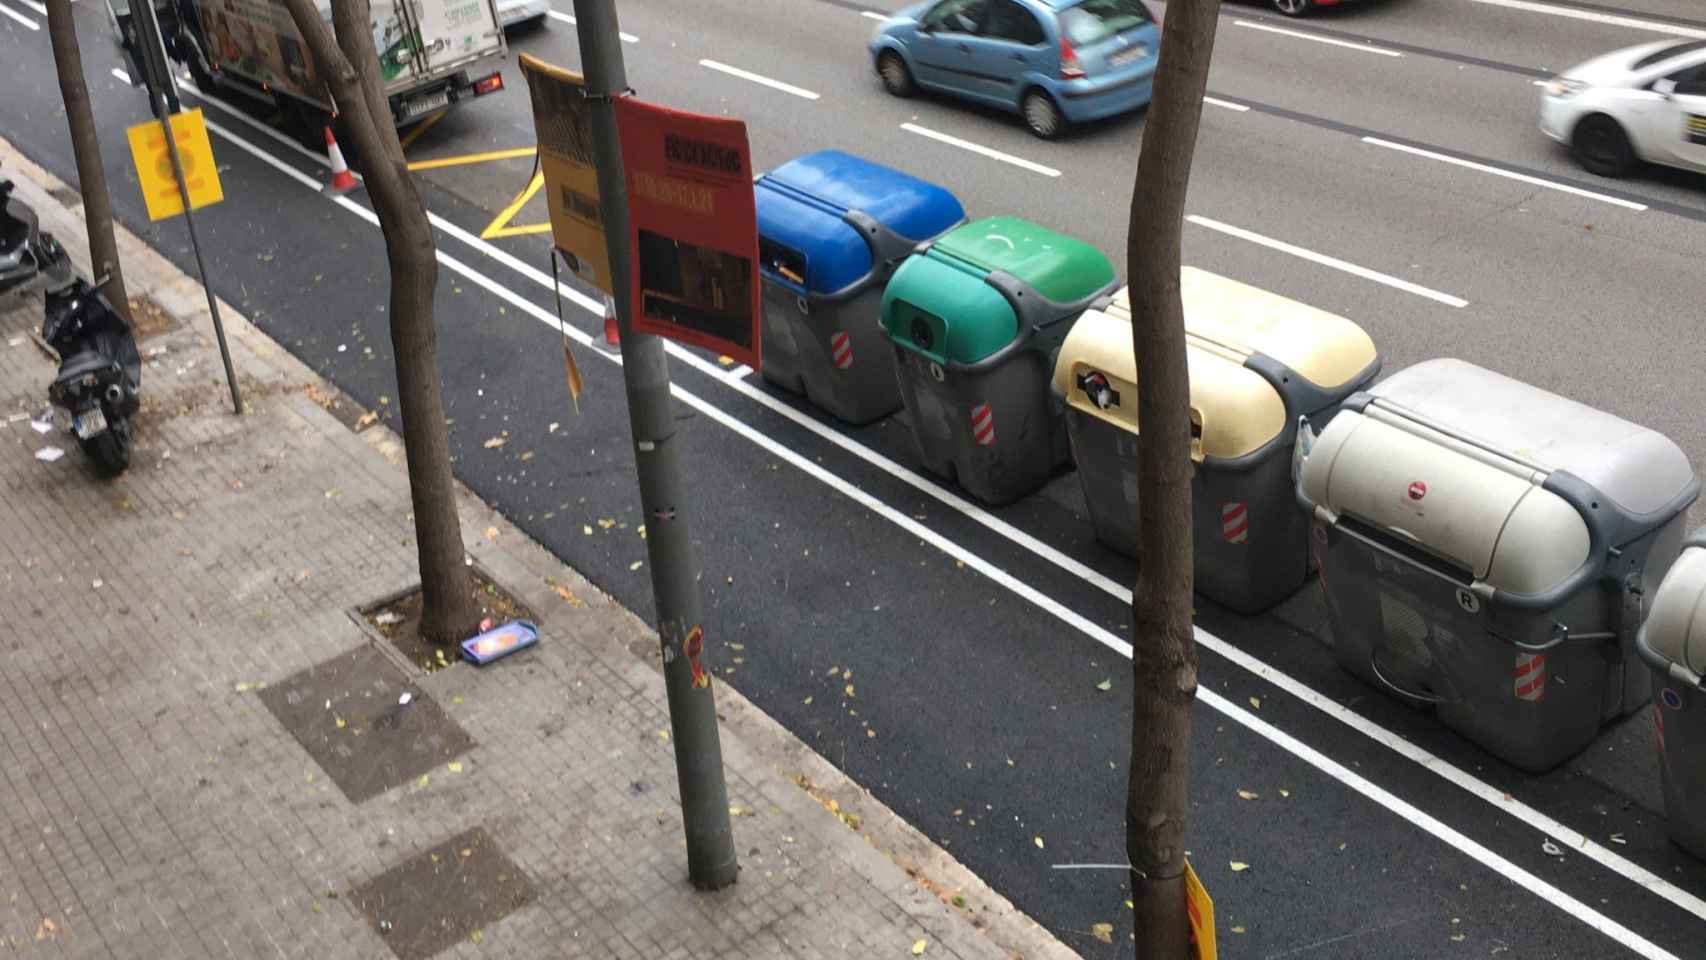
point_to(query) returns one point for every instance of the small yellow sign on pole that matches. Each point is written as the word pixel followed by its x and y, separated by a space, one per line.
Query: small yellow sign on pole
pixel 154 164
pixel 1200 909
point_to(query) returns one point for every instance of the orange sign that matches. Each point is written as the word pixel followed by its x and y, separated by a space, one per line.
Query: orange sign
pixel 693 228
pixel 154 164
pixel 1199 909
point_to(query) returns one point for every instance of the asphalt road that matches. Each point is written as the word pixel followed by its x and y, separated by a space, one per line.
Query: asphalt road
pixel 976 639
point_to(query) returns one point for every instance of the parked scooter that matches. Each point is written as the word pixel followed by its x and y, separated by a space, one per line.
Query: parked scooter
pixel 100 371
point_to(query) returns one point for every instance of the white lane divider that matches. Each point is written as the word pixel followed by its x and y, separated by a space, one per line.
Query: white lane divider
pixel 1507 174
pixel 569 18
pixel 1327 261
pixel 33 5
pixel 15 15
pixel 1500 800
pixel 1228 104
pixel 758 78
pixel 979 148
pixel 1595 16
pixel 1332 41
pixel 872 15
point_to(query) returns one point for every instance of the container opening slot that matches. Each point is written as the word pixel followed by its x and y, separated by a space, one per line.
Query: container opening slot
pixel 1417 555
pixel 782 260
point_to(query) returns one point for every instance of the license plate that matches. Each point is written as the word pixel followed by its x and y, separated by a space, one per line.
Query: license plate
pixel 1126 56
pixel 89 423
pixel 428 103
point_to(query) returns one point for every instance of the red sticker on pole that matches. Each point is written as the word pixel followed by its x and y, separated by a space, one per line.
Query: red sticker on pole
pixel 693 231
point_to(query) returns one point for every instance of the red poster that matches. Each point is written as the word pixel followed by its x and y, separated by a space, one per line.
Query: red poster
pixel 693 230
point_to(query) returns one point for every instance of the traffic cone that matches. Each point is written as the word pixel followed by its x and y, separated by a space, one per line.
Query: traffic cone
pixel 612 335
pixel 342 180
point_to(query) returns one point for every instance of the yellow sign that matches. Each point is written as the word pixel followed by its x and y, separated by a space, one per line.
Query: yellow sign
pixel 1200 910
pixel 154 165
pixel 562 124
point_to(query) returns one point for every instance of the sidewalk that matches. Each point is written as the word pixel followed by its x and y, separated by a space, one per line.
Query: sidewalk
pixel 184 687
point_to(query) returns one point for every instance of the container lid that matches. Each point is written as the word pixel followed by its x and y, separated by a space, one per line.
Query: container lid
pixel 1060 268
pixel 1234 409
pixel 1676 624
pixel 1636 468
pixel 804 205
pixel 943 309
pixel 1488 518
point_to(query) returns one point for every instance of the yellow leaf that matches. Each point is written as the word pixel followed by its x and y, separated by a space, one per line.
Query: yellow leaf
pixel 1237 929
pixel 340 722
pixel 476 936
pixel 808 701
pixel 1248 795
pixel 586 530
pixel 455 766
pixel 491 533
pixel 605 524
pixel 1103 932
pixel 1238 866
pixel 1038 841
pixel 663 735
pixel 848 690
pixel 1129 905
pixel 1256 703
pixel 456 699
pixel 423 781
pixel 637 564
pixel 870 733
pixel 918 948
pixel 495 442
pixel 366 420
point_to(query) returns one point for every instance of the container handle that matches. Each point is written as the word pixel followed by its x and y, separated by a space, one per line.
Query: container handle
pixel 1560 635
pixel 1374 665
pixel 1666 666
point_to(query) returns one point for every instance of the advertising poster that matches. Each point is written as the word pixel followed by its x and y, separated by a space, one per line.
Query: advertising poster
pixel 560 123
pixel 693 227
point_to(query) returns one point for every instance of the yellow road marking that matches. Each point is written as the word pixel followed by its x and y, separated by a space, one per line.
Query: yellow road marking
pixel 421 128
pixel 500 225
pixel 438 162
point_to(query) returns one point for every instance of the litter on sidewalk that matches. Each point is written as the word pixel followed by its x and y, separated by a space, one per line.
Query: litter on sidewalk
pixel 500 642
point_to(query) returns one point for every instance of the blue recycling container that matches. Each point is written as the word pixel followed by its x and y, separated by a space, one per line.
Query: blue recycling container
pixel 832 227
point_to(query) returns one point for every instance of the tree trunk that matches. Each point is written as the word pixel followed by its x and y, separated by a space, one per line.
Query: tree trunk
pixel 86 147
pixel 1164 657
pixel 350 65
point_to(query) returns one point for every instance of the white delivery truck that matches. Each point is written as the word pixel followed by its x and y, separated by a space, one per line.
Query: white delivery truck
pixel 433 54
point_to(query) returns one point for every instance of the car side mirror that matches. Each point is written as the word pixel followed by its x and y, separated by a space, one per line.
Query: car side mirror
pixel 1665 87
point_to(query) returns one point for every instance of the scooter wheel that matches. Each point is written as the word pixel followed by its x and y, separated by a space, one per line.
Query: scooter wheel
pixel 110 449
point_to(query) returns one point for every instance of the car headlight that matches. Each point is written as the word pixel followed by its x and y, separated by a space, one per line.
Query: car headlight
pixel 1563 87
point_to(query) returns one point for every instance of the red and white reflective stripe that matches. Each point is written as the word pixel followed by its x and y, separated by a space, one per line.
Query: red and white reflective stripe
pixel 1659 724
pixel 841 350
pixel 1530 676
pixel 983 424
pixel 1235 522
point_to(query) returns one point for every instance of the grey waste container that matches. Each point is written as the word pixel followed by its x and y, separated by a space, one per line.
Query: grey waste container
pixel 1673 643
pixel 1485 546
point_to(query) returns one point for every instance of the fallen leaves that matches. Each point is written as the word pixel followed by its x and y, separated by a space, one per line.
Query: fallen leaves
pixel 918 947
pixel 47 930
pixel 637 564
pixel 366 420
pixel 491 533
pixel 1106 684
pixel 1103 932
pixel 388 618
pixel 455 766
pixel 1038 841
pixel 564 592
pixel 1238 866
pixel 495 442
pixel 1249 795
pixel 1255 703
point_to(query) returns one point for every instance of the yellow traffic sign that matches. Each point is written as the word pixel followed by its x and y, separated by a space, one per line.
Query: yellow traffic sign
pixel 154 164
pixel 1200 909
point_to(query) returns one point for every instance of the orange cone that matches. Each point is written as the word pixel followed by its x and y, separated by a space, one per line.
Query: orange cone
pixel 342 180
pixel 612 335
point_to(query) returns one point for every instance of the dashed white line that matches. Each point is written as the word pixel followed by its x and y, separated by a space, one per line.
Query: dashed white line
pixel 872 15
pixel 758 78
pixel 15 15
pixel 33 5
pixel 1493 796
pixel 1346 266
pixel 739 373
pixel 1301 35
pixel 1595 16
pixel 1507 174
pixel 569 18
pixel 1228 104
pixel 979 148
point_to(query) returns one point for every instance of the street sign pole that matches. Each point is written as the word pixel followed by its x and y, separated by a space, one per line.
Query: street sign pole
pixel 711 863
pixel 163 100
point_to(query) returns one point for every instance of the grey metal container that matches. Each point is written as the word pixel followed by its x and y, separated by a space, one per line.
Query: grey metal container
pixel 1673 643
pixel 1485 547
pixel 1257 362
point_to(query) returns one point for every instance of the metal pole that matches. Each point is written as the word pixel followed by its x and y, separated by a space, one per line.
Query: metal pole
pixel 162 97
pixel 711 863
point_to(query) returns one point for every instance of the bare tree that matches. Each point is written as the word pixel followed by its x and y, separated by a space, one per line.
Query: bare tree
pixel 86 147
pixel 1164 656
pixel 350 66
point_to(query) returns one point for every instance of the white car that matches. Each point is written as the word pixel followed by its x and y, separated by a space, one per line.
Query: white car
pixel 515 12
pixel 1639 103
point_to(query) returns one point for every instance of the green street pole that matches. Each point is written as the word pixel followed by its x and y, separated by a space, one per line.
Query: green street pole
pixel 711 863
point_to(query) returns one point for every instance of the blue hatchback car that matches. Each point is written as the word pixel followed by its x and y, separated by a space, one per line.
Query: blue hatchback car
pixel 1054 62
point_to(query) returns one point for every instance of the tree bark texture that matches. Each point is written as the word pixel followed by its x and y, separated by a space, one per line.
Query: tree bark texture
pixel 350 65
pixel 1164 657
pixel 86 147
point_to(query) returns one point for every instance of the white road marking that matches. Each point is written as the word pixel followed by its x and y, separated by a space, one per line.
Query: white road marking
pixel 873 15
pixel 15 15
pixel 738 373
pixel 1499 799
pixel 1508 174
pixel 1217 102
pixel 758 78
pixel 1301 35
pixel 1594 16
pixel 978 148
pixel 569 18
pixel 1327 261
pixel 33 5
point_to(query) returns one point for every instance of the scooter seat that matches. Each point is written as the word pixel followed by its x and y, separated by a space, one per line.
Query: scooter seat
pixel 82 364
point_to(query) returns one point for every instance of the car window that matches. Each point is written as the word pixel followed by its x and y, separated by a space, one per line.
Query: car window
pixel 1667 52
pixel 1690 82
pixel 956 16
pixel 1096 20
pixel 1009 21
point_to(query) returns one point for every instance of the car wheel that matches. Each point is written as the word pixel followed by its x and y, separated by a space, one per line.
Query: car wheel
pixel 1602 147
pixel 1294 8
pixel 897 79
pixel 1042 116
